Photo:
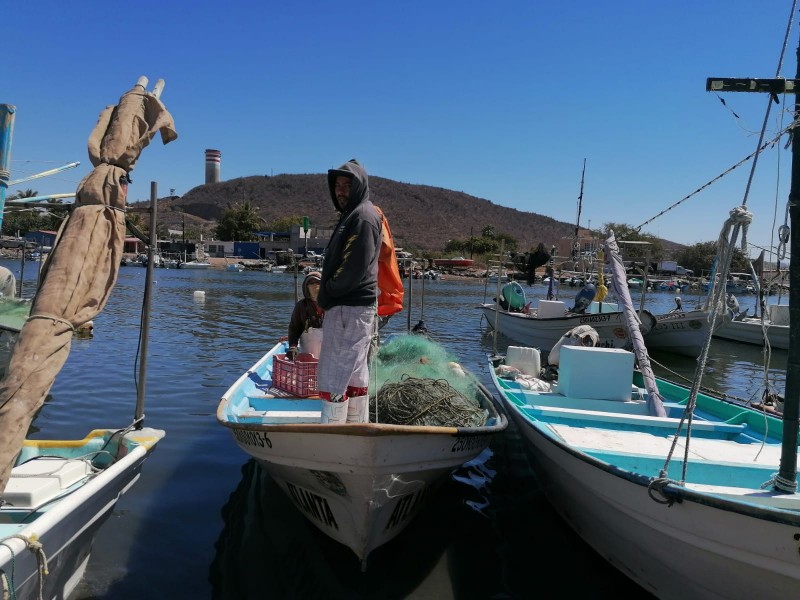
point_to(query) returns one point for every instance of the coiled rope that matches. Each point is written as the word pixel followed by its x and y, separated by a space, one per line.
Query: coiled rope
pixel 41 558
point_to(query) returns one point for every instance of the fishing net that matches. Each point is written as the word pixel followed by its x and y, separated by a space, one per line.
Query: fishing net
pixel 417 382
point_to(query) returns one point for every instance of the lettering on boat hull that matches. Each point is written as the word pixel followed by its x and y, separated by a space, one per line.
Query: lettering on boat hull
pixel 252 438
pixel 596 319
pixel 406 507
pixel 472 442
pixel 313 505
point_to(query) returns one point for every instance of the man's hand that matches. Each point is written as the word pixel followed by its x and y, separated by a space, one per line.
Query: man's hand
pixel 291 353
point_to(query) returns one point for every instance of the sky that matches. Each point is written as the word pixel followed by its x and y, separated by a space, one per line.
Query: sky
pixel 502 100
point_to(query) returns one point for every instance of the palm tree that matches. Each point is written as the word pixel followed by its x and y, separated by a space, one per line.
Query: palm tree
pixel 239 222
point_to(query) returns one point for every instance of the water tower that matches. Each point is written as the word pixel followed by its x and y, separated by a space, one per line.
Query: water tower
pixel 213 158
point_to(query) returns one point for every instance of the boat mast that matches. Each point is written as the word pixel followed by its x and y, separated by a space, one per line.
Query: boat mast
pixel 786 479
pixel 576 244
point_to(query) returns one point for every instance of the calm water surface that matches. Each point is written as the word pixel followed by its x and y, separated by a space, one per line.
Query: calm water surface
pixel 204 521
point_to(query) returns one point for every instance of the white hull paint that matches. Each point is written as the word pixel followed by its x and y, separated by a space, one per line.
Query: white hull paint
pixel 679 332
pixel 686 550
pixel 532 331
pixel 751 331
pixel 66 526
pixel 361 484
pixel 193 264
pixel 721 535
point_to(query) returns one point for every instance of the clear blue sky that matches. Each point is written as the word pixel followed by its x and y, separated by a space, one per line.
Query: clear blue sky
pixel 500 100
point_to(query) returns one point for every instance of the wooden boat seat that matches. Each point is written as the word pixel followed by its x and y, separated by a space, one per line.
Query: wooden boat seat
pixel 631 419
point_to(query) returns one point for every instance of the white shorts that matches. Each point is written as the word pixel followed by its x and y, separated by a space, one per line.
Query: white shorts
pixel 346 335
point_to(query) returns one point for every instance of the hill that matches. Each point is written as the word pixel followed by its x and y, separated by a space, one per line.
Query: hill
pixel 421 217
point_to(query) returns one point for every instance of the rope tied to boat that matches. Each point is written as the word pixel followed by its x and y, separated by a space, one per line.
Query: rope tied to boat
pixel 34 546
pixel 657 486
pixel 781 483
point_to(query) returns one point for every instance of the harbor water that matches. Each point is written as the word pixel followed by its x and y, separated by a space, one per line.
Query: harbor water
pixel 204 521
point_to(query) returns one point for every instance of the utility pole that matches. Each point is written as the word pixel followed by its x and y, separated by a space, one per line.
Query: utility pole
pixel 786 479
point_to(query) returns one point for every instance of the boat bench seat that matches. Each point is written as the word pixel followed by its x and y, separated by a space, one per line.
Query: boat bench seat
pixel 281 410
pixel 638 420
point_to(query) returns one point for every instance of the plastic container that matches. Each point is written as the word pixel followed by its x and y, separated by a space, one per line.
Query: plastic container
pixel 298 376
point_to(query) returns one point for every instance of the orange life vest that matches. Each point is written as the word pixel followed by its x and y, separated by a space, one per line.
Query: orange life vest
pixel 390 284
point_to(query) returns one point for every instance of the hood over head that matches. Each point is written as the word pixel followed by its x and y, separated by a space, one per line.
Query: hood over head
pixel 313 276
pixel 359 188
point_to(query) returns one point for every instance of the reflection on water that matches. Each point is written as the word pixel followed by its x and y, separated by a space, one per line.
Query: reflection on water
pixel 199 524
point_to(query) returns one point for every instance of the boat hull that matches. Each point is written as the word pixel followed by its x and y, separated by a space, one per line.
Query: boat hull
pixel 679 332
pixel 751 331
pixel 359 483
pixel 602 462
pixel 613 511
pixel 66 526
pixel 378 482
pixel 545 333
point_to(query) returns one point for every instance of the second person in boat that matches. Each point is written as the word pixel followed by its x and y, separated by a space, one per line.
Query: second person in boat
pixel 305 325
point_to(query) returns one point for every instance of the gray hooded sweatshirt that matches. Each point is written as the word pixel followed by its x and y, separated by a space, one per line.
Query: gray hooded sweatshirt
pixel 350 268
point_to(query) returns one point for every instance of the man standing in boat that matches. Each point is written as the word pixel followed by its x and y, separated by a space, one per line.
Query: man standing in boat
pixel 348 294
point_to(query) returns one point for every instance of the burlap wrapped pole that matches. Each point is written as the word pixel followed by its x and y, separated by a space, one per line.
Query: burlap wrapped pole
pixel 82 268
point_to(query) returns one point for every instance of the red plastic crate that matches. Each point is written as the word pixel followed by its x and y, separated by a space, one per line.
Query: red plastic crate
pixel 298 376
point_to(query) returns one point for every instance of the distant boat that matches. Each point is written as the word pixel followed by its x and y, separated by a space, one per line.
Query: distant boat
pixel 194 264
pixel 458 261
pixel 752 330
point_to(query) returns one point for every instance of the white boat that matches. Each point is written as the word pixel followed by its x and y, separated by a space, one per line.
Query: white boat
pixel 774 327
pixel 682 332
pixel 194 264
pixel 360 484
pixel 199 262
pixel 689 495
pixel 235 267
pixel 56 494
pixel 543 325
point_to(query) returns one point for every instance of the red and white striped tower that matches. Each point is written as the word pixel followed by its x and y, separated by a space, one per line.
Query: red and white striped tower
pixel 213 158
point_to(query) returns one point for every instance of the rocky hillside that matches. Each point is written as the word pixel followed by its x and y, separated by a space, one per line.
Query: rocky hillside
pixel 421 217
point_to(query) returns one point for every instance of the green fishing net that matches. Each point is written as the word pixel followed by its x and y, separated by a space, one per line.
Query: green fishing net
pixel 416 381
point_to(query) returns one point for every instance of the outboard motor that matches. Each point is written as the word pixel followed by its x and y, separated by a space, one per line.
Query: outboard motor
pixel 583 299
pixel 513 297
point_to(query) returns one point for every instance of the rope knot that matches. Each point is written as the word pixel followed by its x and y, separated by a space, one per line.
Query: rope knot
pixel 741 215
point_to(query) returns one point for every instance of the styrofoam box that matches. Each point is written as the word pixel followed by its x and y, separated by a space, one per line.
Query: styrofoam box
pixel 549 309
pixel 596 373
pixel 527 360
pixel 37 481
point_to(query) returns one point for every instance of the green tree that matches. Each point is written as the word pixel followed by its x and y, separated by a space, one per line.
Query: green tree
pixel 19 220
pixel 57 211
pixel 488 232
pixel 239 222
pixel 625 232
pixel 455 246
pixel 285 223
pixel 700 258
pixel 26 194
pixel 511 242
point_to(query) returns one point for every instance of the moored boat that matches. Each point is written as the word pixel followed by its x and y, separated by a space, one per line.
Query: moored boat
pixel 359 483
pixel 458 262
